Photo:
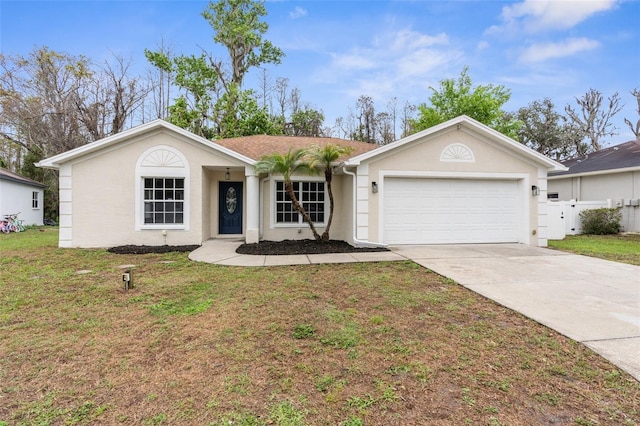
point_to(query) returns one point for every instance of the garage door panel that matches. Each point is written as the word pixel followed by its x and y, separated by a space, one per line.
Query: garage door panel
pixel 440 211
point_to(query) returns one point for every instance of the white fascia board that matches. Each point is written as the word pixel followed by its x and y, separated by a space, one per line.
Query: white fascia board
pixel 595 173
pixel 472 124
pixel 55 161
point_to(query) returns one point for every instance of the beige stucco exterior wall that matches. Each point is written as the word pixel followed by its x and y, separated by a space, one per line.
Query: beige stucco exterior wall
pixel 276 232
pixel 102 191
pixel 421 158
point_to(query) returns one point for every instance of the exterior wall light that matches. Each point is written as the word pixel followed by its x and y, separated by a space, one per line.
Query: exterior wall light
pixel 227 175
pixel 374 187
pixel 535 191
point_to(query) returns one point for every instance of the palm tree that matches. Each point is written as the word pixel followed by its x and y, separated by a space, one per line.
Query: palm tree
pixel 322 158
pixel 286 165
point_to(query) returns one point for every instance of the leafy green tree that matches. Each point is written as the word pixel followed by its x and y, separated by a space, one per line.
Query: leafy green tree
pixel 456 97
pixel 306 122
pixel 213 102
pixel 287 165
pixel 247 119
pixel 323 158
pixel 193 109
pixel 238 27
pixel 547 131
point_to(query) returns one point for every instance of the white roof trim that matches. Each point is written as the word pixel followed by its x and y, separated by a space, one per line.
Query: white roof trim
pixel 595 173
pixel 462 120
pixel 55 161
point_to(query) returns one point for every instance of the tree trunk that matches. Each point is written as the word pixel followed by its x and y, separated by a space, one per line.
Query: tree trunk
pixel 328 178
pixel 288 186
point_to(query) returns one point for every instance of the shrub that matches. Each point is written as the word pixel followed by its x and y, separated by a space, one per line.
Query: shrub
pixel 601 221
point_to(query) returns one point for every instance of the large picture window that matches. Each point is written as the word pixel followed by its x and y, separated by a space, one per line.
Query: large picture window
pixel 163 200
pixel 310 194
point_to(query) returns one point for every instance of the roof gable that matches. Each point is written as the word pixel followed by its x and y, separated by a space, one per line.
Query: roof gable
pixel 247 149
pixel 472 125
pixel 94 147
pixel 623 156
pixel 14 177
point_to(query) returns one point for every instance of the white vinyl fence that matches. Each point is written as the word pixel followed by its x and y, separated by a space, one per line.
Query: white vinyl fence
pixel 564 216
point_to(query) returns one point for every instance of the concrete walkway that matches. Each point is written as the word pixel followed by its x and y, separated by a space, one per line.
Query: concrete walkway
pixel 593 301
pixel 223 252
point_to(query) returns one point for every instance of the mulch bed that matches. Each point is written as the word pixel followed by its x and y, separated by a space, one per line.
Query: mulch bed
pixel 302 247
pixel 262 248
pixel 131 249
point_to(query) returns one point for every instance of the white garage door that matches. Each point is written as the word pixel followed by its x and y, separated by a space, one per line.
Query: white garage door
pixel 450 211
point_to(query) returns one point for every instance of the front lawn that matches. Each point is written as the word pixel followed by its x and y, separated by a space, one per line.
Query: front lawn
pixel 350 344
pixel 623 248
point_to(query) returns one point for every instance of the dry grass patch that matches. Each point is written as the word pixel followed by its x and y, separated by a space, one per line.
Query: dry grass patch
pixel 374 344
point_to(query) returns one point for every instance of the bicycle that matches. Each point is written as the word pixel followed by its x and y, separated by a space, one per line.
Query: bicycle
pixel 12 223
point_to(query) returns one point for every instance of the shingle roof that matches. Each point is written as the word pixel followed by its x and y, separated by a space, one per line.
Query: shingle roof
pixel 14 177
pixel 257 146
pixel 621 156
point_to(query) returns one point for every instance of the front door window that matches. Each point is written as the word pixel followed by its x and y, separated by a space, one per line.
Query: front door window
pixel 232 200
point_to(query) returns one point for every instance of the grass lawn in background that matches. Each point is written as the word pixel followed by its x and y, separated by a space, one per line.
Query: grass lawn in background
pixel 348 344
pixel 623 248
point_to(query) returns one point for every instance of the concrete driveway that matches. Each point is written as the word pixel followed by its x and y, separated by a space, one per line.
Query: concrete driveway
pixel 593 301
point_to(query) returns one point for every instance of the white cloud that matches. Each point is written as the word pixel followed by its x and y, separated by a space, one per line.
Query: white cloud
pixel 482 45
pixel 298 12
pixel 395 63
pixel 353 61
pixel 391 50
pixel 540 15
pixel 542 51
pixel 424 61
pixel 407 40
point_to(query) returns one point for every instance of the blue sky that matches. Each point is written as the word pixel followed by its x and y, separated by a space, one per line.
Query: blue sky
pixel 339 50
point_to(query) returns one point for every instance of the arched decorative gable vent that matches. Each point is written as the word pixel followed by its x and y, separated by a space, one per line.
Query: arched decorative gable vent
pixel 162 157
pixel 457 152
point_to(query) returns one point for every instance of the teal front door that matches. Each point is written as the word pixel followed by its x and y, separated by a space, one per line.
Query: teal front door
pixel 230 208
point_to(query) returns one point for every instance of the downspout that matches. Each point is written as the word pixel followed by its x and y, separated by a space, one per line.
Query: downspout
pixel 356 241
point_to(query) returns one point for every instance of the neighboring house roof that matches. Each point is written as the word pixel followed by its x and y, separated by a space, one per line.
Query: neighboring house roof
pixel 256 146
pixel 468 123
pixel 14 177
pixel 614 158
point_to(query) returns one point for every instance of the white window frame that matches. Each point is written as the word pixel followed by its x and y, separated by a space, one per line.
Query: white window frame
pixel 35 200
pixel 301 222
pixel 176 201
pixel 151 165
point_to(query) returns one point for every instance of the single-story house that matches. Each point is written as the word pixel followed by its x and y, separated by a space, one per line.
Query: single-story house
pixel 19 194
pixel 612 174
pixel 155 184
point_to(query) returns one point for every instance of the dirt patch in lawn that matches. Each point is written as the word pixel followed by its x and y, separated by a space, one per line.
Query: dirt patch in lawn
pixel 303 247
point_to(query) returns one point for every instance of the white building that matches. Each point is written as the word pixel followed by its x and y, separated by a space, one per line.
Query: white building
pixel 22 195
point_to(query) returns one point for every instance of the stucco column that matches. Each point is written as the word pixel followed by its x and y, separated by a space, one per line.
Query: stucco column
pixel 252 233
